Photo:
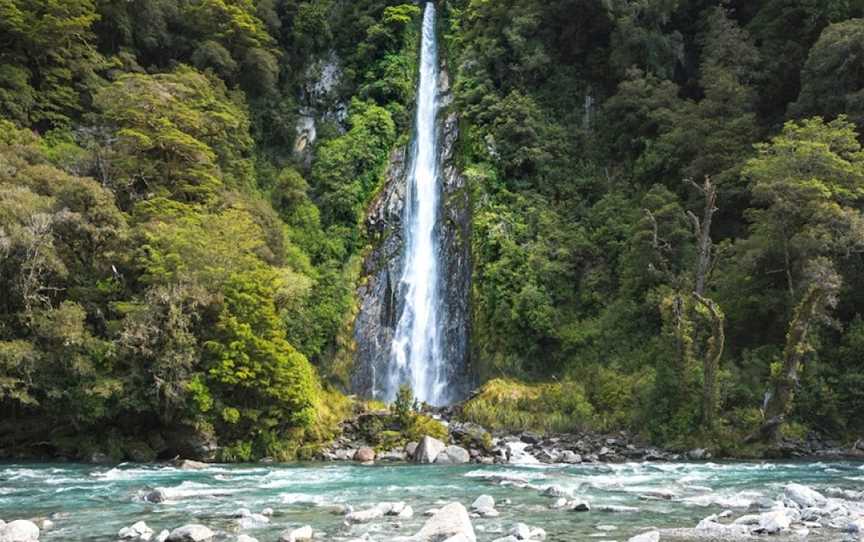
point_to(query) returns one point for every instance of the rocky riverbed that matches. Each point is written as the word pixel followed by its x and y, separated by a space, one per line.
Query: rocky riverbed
pixel 630 501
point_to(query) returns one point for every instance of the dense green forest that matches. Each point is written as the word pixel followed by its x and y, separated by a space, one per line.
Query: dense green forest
pixel 667 215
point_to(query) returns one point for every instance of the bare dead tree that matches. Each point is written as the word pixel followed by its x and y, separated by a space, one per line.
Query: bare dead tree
pixel 702 232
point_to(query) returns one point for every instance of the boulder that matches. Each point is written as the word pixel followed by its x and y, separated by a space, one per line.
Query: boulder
pixel 364 516
pixel 773 522
pixel 138 531
pixel 253 521
pixel 162 536
pixel 406 513
pixel 296 535
pixel 579 505
pixel 458 538
pixel 187 441
pixel 246 538
pixel 698 454
pixel 392 456
pixel 453 455
pixel 569 457
pixel 189 464
pixel 19 530
pixel 451 520
pixel 803 496
pixel 46 525
pixel 156 496
pixel 521 531
pixel 428 449
pixel 483 501
pixel 410 448
pixel 650 536
pixel 555 491
pixel 364 455
pixel 191 533
pixel 856 526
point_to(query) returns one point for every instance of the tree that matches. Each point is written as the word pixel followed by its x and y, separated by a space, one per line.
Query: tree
pixel 833 76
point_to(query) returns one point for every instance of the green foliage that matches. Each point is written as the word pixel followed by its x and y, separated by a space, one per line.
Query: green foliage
pixel 512 406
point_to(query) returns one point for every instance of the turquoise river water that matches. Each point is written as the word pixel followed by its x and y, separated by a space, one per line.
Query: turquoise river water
pixel 89 502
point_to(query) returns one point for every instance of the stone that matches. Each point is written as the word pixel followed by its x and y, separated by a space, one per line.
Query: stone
pixel 773 522
pixel 698 454
pixel 253 521
pixel 483 501
pixel 156 496
pixel 570 457
pixel 453 455
pixel 856 526
pixel 537 533
pixel 650 536
pixel 803 496
pixel 410 448
pixel 579 506
pixel 46 525
pixel 521 531
pixel 508 538
pixel 556 491
pixel 137 531
pixel 406 513
pixel 392 456
pixel 428 449
pixel 189 464
pixel 458 538
pixel 296 535
pixel 364 516
pixel 191 533
pixel 246 538
pixel 267 512
pixel 449 521
pixel 364 455
pixel 19 530
pixel 162 536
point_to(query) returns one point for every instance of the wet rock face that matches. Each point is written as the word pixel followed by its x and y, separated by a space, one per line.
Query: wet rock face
pixel 380 299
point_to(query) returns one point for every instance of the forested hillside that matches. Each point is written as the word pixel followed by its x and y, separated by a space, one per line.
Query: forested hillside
pixel 667 215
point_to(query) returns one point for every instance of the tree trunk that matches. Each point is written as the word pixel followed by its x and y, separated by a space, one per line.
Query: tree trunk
pixel 797 346
pixel 711 361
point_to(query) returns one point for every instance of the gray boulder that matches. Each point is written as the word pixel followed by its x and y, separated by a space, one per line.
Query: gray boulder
pixel 138 531
pixel 191 533
pixel 428 449
pixel 156 496
pixel 451 520
pixel 803 496
pixel 453 455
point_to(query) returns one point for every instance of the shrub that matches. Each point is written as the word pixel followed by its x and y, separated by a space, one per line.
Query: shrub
pixel 506 405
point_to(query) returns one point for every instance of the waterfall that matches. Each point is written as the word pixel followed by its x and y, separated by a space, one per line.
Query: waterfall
pixel 416 353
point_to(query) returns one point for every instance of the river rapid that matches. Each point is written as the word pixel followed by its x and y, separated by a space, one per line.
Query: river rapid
pixel 87 502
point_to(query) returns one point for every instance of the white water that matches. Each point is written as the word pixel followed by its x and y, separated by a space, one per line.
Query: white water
pixel 416 350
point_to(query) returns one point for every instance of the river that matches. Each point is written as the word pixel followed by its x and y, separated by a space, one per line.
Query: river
pixel 88 502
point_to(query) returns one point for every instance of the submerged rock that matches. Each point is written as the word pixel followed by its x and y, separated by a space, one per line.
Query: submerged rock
pixel 449 521
pixel 19 530
pixel 191 533
pixel 156 496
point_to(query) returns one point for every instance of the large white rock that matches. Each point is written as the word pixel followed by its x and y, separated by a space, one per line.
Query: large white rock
pixel 521 531
pixel 162 536
pixel 246 538
pixel 856 526
pixel 297 535
pixel 803 496
pixel 428 449
pixel 191 533
pixel 453 455
pixel 19 530
pixel 650 536
pixel 449 521
pixel 138 531
pixel 773 522
pixel 484 505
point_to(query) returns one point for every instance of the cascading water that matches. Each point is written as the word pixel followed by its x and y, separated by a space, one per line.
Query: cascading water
pixel 416 357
